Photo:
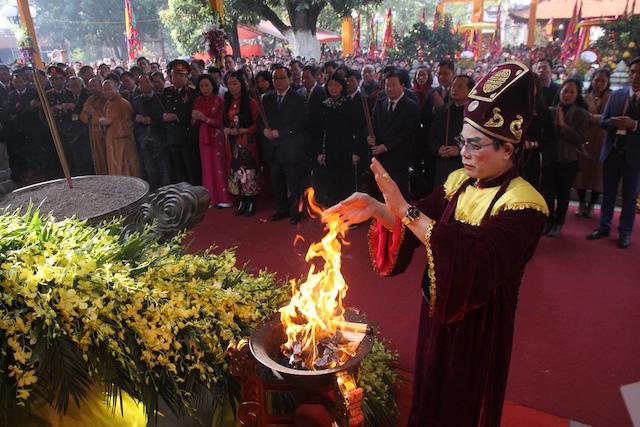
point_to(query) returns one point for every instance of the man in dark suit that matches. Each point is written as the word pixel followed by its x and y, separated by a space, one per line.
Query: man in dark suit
pixel 24 131
pixel 314 93
pixel 620 157
pixel 5 83
pixel 79 156
pixel 130 89
pixel 352 77
pixel 395 120
pixel 151 137
pixel 447 127
pixel 182 137
pixel 550 89
pixel 424 160
pixel 286 147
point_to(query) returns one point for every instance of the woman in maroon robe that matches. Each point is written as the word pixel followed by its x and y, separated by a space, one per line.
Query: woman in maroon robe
pixel 480 228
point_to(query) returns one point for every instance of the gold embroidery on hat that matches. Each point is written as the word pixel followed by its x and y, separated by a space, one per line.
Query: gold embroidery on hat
pixel 496 80
pixel 497 120
pixel 516 126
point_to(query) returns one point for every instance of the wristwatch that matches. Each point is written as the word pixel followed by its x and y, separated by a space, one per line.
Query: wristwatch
pixel 412 214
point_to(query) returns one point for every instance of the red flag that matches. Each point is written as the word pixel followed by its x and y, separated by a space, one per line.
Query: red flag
pixel 572 38
pixel 133 36
pixel 372 35
pixel 388 42
pixel 423 16
pixel 435 19
pixel 497 40
pixel 356 42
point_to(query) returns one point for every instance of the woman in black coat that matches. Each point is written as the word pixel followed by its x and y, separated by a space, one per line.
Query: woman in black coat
pixel 342 145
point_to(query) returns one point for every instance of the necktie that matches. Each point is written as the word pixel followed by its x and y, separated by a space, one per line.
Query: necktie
pixel 280 100
pixel 390 110
pixel 444 94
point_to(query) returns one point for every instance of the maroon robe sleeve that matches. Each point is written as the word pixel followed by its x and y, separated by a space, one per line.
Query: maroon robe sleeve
pixel 466 263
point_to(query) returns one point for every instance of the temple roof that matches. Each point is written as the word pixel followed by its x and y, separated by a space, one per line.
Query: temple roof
pixel 563 9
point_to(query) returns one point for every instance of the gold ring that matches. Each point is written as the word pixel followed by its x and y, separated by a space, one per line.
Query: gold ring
pixel 386 177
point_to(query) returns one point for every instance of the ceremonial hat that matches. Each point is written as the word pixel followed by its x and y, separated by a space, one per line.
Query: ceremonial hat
pixel 502 103
pixel 179 66
pixel 53 71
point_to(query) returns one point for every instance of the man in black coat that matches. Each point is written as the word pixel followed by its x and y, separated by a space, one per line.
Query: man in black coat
pixel 24 131
pixel 182 137
pixel 424 160
pixel 446 128
pixel 315 95
pixel 395 120
pixel 79 157
pixel 550 89
pixel 286 147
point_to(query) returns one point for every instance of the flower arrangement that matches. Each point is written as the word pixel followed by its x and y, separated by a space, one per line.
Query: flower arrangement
pixel 25 45
pixel 82 305
pixel 214 38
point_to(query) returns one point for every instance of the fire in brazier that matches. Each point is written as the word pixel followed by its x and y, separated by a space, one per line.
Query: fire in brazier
pixel 318 336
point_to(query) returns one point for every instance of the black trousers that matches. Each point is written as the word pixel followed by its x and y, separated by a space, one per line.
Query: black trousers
pixel 556 189
pixel 289 180
pixel 186 164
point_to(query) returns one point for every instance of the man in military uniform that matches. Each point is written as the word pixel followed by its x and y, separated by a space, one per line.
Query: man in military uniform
pixel 182 137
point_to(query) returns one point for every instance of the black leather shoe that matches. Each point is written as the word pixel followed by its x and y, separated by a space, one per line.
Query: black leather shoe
pixel 242 208
pixel 598 233
pixel 624 241
pixel 295 219
pixel 278 216
pixel 251 209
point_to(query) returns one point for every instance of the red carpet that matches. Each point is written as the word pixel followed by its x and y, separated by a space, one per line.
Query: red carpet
pixel 575 341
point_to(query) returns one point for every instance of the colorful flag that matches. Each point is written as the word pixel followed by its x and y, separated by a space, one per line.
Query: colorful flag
pixel 356 42
pixel 626 10
pixel 372 35
pixel 547 31
pixel 475 44
pixel 388 42
pixel 572 37
pixel 423 16
pixel 497 40
pixel 134 46
pixel 435 19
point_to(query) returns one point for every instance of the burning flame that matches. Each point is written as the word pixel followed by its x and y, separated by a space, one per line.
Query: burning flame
pixel 315 312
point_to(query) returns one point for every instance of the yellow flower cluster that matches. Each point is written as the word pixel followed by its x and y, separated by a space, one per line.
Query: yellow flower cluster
pixel 84 305
pixel 160 319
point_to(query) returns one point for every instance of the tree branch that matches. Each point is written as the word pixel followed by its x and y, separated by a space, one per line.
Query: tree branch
pixel 268 14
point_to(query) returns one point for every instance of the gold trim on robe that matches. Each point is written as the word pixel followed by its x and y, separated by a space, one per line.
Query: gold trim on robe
pixel 432 270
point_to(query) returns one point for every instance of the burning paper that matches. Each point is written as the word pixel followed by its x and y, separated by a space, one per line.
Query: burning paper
pixel 318 337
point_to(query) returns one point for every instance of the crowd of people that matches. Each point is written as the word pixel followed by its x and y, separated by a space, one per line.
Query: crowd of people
pixel 281 125
pixel 489 153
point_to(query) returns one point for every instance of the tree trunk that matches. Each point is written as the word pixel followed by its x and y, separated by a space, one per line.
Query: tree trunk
pixel 302 32
pixel 234 39
pixel 304 43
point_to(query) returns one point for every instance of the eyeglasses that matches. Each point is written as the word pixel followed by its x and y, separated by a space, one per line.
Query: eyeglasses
pixel 471 147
